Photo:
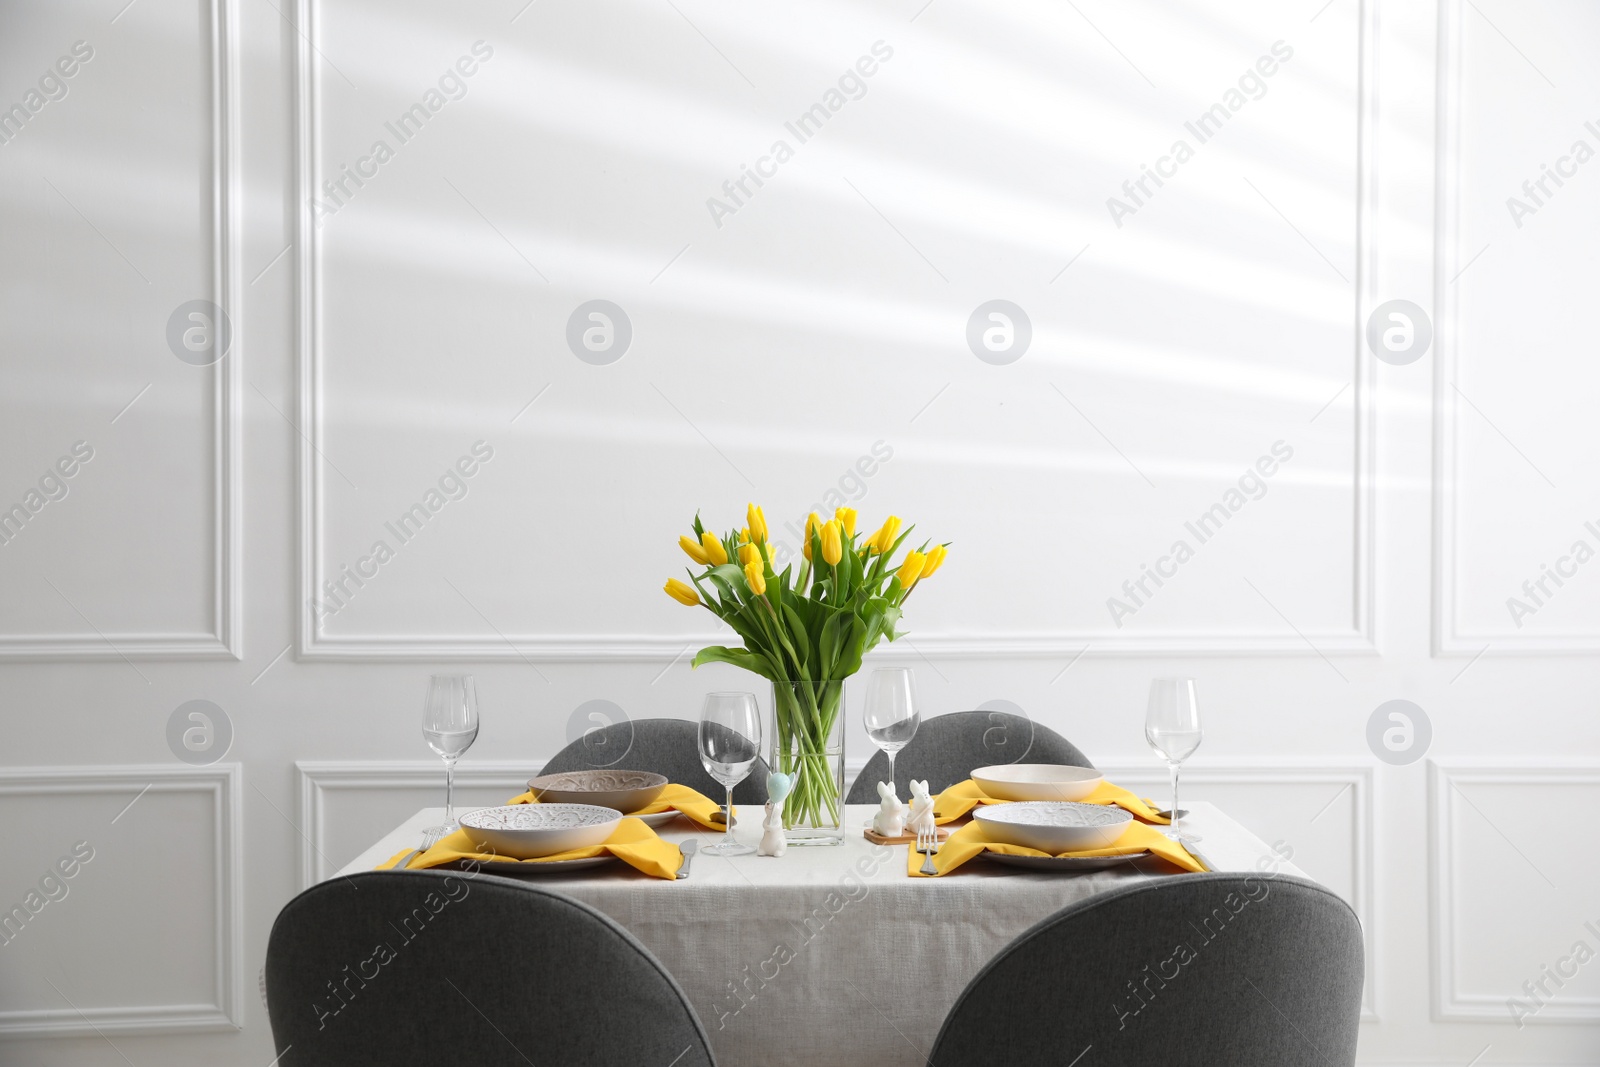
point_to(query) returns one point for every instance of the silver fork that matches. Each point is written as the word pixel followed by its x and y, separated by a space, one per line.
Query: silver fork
pixel 928 844
pixel 430 837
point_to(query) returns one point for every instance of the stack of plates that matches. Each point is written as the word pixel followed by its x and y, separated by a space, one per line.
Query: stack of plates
pixel 626 791
pixel 1054 826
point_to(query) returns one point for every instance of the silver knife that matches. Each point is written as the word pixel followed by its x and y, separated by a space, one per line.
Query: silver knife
pixel 688 848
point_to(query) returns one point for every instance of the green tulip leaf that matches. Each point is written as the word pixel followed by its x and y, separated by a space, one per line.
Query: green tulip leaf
pixel 738 657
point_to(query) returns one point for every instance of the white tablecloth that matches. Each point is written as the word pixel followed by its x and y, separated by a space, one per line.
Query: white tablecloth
pixel 832 955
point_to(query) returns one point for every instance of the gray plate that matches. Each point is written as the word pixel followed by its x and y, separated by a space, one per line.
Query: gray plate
pixel 660 818
pixel 1065 864
pixel 554 867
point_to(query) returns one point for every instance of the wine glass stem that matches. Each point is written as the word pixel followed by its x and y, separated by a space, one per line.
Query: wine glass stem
pixel 727 837
pixel 1174 817
pixel 449 792
pixel 891 771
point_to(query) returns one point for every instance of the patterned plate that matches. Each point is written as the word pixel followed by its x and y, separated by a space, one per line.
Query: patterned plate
pixel 519 817
pixel 622 790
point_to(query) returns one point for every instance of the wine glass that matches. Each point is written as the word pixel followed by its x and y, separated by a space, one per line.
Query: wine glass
pixel 450 725
pixel 730 741
pixel 892 712
pixel 1172 727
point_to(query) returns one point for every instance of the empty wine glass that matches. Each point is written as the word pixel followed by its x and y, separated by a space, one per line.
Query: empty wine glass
pixel 450 725
pixel 892 713
pixel 730 741
pixel 1172 727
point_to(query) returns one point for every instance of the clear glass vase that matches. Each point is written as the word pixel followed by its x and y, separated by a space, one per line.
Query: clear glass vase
pixel 807 743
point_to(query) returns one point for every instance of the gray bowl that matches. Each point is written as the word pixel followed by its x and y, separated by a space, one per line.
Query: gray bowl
pixel 626 791
pixel 530 831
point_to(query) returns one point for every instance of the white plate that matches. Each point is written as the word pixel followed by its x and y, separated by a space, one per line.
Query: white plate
pixel 528 831
pixel 1065 864
pixel 1053 826
pixel 1037 781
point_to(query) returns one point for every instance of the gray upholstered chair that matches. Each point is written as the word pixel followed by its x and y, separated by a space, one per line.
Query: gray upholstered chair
pixel 948 748
pixel 665 746
pixel 388 967
pixel 1202 969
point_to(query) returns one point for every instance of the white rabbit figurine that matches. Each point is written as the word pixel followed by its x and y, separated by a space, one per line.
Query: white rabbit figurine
pixel 773 841
pixel 921 820
pixel 891 818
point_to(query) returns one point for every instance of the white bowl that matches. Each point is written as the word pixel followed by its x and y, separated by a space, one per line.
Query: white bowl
pixel 529 831
pixel 1053 826
pixel 626 791
pixel 1037 781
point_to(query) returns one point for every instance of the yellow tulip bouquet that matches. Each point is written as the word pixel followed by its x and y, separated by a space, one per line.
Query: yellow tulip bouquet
pixel 806 635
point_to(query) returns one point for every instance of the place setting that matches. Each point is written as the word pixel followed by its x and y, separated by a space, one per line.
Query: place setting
pixel 577 820
pixel 1064 819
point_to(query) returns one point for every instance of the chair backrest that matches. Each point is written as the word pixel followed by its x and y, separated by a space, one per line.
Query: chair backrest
pixel 396 967
pixel 1243 970
pixel 948 748
pixel 665 746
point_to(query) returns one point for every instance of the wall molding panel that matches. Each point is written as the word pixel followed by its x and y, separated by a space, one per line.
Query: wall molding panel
pixel 1448 639
pixel 225 639
pixel 1359 639
pixel 1450 1002
pixel 221 784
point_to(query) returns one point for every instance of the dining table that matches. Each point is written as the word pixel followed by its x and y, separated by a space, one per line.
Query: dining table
pixel 834 954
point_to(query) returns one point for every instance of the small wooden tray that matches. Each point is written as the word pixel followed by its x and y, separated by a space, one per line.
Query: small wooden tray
pixel 904 839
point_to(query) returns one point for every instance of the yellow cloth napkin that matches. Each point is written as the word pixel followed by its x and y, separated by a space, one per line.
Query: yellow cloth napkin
pixel 968 841
pixel 632 842
pixel 964 796
pixel 696 805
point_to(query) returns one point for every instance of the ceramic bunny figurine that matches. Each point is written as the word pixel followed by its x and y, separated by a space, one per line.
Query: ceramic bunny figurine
pixel 891 818
pixel 921 820
pixel 773 842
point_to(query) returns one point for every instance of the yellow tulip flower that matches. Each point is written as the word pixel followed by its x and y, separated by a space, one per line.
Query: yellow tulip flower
pixel 883 540
pixel 757 578
pixel 713 548
pixel 758 524
pixel 812 522
pixel 683 594
pixel 744 536
pixel 847 516
pixel 832 545
pixel 695 552
pixel 911 569
pixel 749 554
pixel 935 560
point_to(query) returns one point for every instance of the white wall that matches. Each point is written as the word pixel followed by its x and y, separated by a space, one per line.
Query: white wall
pixel 375 344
